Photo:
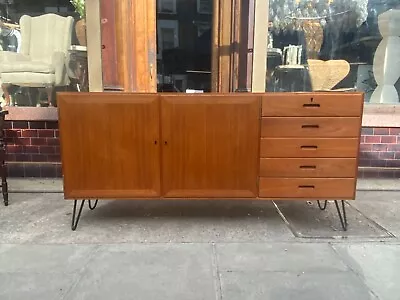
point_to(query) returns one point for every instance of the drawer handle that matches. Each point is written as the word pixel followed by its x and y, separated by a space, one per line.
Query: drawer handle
pixel 308 167
pixel 311 105
pixel 311 147
pixel 306 186
pixel 310 126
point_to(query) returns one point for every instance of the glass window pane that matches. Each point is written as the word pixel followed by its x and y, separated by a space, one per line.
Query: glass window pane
pixel 332 45
pixel 43 50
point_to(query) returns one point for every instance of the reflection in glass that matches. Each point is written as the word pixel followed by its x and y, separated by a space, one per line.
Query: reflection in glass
pixel 184 30
pixel 329 45
pixel 40 50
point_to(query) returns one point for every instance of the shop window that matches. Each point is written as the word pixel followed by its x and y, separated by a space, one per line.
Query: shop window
pixel 335 45
pixel 166 6
pixel 43 50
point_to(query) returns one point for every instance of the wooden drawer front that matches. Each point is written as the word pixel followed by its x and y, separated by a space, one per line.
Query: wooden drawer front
pixel 308 167
pixel 309 147
pixel 317 105
pixel 310 127
pixel 309 188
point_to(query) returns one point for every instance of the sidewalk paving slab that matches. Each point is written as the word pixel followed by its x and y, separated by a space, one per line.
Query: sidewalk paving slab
pixel 47 219
pixel 176 272
pixel 378 265
pixel 278 257
pixel 382 207
pixel 289 286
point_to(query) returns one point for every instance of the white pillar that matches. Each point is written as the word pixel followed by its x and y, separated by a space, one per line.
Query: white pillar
pixel 260 46
pixel 387 58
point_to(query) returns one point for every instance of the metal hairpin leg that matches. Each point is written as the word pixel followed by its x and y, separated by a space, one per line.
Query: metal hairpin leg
pixel 342 214
pixel 322 207
pixel 94 206
pixel 76 217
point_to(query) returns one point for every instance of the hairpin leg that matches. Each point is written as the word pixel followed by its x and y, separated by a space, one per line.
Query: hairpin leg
pixel 94 205
pixel 75 219
pixel 342 214
pixel 322 207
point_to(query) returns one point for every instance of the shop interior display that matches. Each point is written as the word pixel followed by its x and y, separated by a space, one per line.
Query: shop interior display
pixel 387 58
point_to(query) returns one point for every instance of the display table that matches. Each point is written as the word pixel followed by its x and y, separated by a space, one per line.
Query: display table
pixel 199 146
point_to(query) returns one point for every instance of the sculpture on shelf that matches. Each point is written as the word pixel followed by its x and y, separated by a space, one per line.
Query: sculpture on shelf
pixel 387 58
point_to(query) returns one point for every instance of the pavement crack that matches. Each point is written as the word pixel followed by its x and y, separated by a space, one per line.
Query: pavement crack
pixel 216 273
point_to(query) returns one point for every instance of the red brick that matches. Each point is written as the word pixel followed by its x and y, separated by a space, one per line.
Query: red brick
pixel 54 158
pixel 371 139
pixel 364 162
pixel 37 125
pixel 47 150
pixel 386 155
pixel 12 133
pixel 11 157
pixel 53 142
pixel 52 125
pixel 394 147
pixel 56 133
pixel 23 141
pixel 20 125
pixel 29 133
pixel 57 150
pixel 381 131
pixel 378 163
pixel 15 149
pixel 397 155
pixel 390 139
pixel 367 131
pixel 39 157
pixel 379 147
pixel 23 157
pixel 365 147
pixel 46 133
pixel 7 125
pixel 31 149
pixel 39 141
pixel 393 163
pixel 394 131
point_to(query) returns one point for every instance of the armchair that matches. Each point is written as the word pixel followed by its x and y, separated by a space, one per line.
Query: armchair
pixel 42 61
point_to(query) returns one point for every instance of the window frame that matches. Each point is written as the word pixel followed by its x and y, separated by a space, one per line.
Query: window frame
pixel 159 2
pixel 205 12
pixel 168 24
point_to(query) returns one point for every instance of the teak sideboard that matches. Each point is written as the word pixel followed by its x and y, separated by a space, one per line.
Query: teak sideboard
pixel 267 146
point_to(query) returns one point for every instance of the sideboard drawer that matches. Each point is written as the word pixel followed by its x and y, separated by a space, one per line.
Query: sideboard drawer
pixel 309 188
pixel 308 167
pixel 310 127
pixel 309 147
pixel 316 104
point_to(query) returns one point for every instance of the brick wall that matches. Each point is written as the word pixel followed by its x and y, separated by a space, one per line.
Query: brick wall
pixel 380 153
pixel 33 150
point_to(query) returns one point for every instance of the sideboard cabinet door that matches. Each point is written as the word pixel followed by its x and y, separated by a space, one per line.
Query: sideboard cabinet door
pixel 210 145
pixel 110 145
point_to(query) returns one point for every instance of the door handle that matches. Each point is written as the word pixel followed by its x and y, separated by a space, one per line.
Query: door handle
pixel 308 167
pixel 306 186
pixel 310 126
pixel 311 105
pixel 310 147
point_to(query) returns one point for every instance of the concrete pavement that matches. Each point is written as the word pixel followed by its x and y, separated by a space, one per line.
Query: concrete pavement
pixel 200 250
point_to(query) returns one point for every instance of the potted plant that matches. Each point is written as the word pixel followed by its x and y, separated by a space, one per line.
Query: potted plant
pixel 80 27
